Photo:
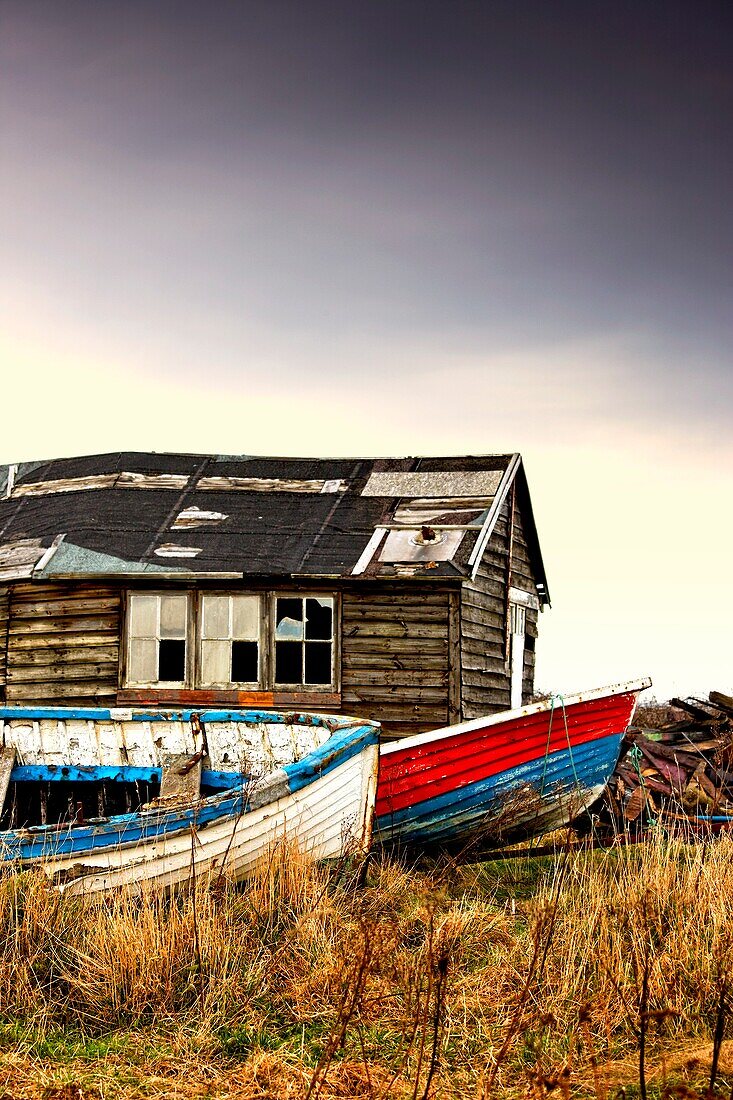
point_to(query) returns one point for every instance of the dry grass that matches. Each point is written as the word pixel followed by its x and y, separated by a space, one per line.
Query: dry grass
pixel 578 975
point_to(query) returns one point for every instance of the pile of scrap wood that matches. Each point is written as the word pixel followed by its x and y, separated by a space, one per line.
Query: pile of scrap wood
pixel 680 774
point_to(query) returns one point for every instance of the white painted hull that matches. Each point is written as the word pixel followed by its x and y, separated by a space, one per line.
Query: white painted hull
pixel 330 817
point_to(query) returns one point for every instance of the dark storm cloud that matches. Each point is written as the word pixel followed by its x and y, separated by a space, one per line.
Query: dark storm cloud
pixel 489 175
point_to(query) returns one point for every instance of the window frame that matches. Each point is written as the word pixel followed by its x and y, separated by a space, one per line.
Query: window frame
pixel 243 685
pixel 335 683
pixel 193 681
pixel 164 685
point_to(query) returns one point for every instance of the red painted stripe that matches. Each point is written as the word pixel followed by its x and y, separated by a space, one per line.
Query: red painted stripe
pixel 424 771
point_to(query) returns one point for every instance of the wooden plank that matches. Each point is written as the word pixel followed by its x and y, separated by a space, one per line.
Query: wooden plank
pixel 34 591
pixel 58 673
pixel 58 694
pixel 454 658
pixel 404 646
pixel 405 678
pixel 395 630
pixel 418 662
pixel 69 654
pixel 394 600
pixel 62 609
pixel 180 779
pixel 7 760
pixel 474 617
pixel 41 640
pixel 54 627
pixel 395 694
pixel 402 615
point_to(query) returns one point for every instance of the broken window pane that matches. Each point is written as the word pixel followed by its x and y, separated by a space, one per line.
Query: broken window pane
pixel 317 663
pixel 289 619
pixel 245 663
pixel 173 616
pixel 171 661
pixel 215 660
pixel 215 622
pixel 142 665
pixel 143 616
pixel 319 618
pixel 288 663
pixel 246 618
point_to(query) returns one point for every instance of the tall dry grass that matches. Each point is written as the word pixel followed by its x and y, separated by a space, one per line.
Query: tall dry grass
pixel 566 976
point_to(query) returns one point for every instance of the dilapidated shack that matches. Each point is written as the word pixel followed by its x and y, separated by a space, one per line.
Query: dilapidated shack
pixel 406 590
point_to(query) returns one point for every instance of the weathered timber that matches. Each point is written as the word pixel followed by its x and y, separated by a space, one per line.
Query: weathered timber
pixel 377 633
pixel 4 614
pixel 65 648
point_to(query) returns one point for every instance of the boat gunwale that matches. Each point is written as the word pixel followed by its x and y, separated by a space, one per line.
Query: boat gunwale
pixel 553 703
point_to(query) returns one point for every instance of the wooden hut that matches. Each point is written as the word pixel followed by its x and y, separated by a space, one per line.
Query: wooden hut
pixel 405 590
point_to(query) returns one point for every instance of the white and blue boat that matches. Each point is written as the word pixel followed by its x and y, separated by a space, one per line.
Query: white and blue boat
pixel 100 798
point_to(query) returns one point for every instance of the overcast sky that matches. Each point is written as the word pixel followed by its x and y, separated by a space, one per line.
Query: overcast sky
pixel 393 227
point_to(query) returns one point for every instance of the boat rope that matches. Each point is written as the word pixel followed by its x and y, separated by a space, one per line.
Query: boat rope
pixel 547 745
pixel 567 738
pixel 556 700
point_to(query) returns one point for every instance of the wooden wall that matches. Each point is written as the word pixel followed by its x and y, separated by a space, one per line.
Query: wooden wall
pixel 395 657
pixel 484 675
pixel 485 678
pixel 63 644
pixel 4 606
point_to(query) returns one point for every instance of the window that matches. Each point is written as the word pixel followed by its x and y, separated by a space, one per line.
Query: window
pixel 230 640
pixel 304 637
pixel 156 638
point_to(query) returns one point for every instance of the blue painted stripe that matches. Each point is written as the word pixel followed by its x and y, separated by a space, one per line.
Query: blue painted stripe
pixel 336 751
pixel 459 813
pixel 122 773
pixel 122 830
pixel 62 714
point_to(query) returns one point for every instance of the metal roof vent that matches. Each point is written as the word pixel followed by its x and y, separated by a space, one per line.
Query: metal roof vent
pixel 427 536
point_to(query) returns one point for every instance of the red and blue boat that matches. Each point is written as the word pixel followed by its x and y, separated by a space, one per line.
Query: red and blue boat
pixel 496 780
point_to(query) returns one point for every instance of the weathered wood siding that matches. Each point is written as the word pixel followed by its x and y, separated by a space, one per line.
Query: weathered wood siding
pixel 63 644
pixel 394 657
pixel 485 675
pixel 4 606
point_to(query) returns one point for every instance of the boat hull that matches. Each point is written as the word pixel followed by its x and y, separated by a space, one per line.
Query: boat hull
pixel 307 779
pixel 504 778
pixel 328 818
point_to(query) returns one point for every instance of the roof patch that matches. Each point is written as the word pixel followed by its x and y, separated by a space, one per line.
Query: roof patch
pixel 455 511
pixel 173 550
pixel 273 484
pixel 70 559
pixel 441 484
pixel 197 517
pixel 123 480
